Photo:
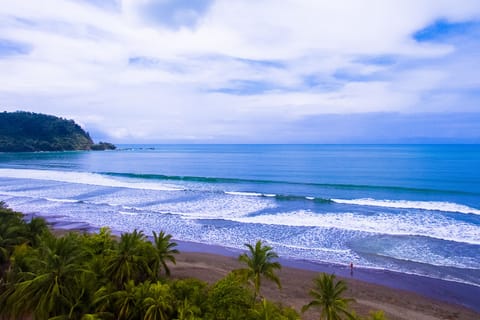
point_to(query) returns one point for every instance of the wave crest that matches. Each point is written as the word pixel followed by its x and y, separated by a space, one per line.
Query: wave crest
pixel 83 178
pixel 407 204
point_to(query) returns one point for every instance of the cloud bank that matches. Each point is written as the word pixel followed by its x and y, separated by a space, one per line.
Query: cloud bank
pixel 247 71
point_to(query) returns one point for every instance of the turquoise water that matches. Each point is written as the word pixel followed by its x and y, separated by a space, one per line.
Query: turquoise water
pixel 408 208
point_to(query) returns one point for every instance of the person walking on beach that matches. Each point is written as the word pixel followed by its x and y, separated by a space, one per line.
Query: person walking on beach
pixel 351 269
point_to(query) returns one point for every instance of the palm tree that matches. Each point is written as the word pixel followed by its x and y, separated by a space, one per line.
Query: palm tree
pixel 229 298
pixel 35 228
pixel 100 243
pixel 189 295
pixel 164 251
pixel 130 260
pixel 51 287
pixel 266 310
pixel 103 300
pixel 187 310
pixel 159 302
pixel 12 233
pixel 97 316
pixel 127 304
pixel 260 264
pixel 327 295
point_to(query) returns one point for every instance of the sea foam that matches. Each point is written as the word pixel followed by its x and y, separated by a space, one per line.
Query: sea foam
pixel 389 224
pixel 83 178
pixel 404 204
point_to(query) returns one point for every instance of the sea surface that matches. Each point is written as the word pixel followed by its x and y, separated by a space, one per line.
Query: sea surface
pixel 409 208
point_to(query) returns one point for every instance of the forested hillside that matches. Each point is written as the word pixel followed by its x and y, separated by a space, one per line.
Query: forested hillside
pixel 26 131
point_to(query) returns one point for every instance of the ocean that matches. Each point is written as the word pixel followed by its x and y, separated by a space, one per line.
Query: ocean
pixel 414 209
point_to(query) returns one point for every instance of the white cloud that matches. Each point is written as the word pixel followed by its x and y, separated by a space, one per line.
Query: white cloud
pixel 292 52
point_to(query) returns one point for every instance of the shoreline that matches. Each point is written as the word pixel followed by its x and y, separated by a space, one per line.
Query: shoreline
pixel 400 295
pixel 396 304
pixel 458 293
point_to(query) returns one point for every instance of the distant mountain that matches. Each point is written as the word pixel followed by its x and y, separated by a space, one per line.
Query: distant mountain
pixel 26 131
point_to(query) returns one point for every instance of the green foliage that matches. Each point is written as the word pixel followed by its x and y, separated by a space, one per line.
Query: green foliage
pixel 260 264
pixel 328 297
pixel 27 131
pixel 267 310
pixel 164 250
pixel 127 302
pixel 130 260
pixel 96 276
pixel 51 286
pixel 376 315
pixel 188 311
pixel 229 299
pixel 158 304
pixel 14 231
pixel 35 229
pixel 190 296
pixel 101 243
pixel 103 146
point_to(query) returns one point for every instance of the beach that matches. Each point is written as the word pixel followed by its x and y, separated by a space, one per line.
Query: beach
pixel 296 282
pixel 400 296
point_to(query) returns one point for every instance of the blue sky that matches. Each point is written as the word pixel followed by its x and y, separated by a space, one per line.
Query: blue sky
pixel 228 71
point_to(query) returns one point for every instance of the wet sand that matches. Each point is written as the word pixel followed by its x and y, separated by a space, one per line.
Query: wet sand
pixel 296 282
pixel 400 296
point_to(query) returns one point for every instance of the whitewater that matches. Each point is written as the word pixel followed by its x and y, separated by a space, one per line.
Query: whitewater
pixel 411 209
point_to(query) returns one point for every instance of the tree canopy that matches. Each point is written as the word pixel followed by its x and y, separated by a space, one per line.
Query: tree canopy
pixel 98 276
pixel 22 131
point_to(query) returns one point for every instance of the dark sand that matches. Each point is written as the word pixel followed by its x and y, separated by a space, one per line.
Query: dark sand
pixel 400 296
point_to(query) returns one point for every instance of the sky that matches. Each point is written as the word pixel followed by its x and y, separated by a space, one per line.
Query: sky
pixel 247 71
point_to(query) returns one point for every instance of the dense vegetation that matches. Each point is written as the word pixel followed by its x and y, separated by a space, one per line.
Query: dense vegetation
pixel 98 276
pixel 103 146
pixel 26 131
